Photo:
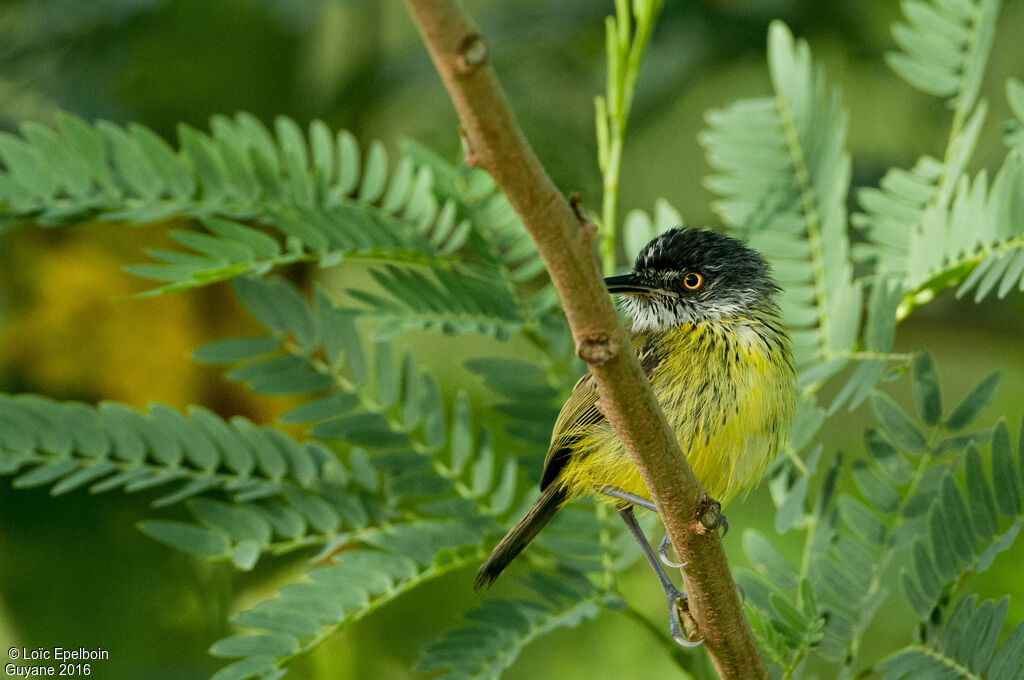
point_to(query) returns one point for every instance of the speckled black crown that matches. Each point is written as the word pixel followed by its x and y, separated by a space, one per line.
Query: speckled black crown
pixel 727 262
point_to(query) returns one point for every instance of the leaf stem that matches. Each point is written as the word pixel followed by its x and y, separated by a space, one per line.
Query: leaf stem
pixel 952 664
pixel 812 220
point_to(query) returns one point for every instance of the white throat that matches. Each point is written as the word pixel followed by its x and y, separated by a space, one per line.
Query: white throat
pixel 653 314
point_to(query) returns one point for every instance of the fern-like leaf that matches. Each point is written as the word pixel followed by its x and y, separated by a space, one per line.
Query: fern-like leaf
pixel 784 175
pixel 500 629
pixel 274 483
pixel 72 445
pixel 369 401
pixel 787 631
pixel 933 226
pixel 966 647
pixel 497 235
pixel 945 46
pixel 529 403
pixel 978 241
pixel 371 569
pixel 903 491
pixel 457 300
pixel 964 534
pixel 263 199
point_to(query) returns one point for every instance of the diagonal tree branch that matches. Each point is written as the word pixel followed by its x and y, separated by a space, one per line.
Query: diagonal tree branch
pixel 493 141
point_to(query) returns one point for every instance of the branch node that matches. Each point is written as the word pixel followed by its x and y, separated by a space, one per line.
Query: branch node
pixel 471 54
pixel 588 230
pixel 469 155
pixel 597 348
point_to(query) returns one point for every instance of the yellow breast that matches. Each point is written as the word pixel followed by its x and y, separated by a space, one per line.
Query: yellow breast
pixel 727 391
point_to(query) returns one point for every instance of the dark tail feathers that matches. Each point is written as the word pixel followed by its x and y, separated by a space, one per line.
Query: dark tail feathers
pixel 525 530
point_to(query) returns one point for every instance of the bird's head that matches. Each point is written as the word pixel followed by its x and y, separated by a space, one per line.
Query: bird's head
pixel 692 275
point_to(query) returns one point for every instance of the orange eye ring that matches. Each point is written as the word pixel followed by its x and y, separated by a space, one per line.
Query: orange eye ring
pixel 693 281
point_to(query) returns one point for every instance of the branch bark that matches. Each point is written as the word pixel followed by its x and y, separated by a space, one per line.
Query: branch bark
pixel 493 141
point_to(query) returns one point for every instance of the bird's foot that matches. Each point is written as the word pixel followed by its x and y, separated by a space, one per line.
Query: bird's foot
pixel 679 612
pixel 710 515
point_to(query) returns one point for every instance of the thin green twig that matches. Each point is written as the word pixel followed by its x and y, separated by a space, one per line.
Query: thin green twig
pixel 624 53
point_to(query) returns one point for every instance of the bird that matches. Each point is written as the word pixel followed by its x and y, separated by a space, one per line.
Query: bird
pixel 707 330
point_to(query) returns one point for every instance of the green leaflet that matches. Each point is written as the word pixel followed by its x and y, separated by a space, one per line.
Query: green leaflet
pixel 926 389
pixel 879 334
pixel 188 538
pixel 249 645
pixel 768 561
pixel 973 404
pixel 895 421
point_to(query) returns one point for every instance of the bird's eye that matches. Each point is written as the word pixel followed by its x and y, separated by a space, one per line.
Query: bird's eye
pixel 693 281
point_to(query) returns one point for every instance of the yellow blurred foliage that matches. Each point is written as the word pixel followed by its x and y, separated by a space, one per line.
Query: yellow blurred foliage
pixel 68 334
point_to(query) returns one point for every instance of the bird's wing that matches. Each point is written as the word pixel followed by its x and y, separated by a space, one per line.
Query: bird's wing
pixel 579 413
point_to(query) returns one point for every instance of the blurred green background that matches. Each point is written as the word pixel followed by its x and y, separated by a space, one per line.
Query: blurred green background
pixel 74 571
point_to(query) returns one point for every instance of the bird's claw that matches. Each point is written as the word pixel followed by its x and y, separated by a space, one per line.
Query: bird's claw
pixel 711 517
pixel 663 554
pixel 676 606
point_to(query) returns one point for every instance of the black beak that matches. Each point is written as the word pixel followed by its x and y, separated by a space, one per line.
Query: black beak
pixel 627 283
